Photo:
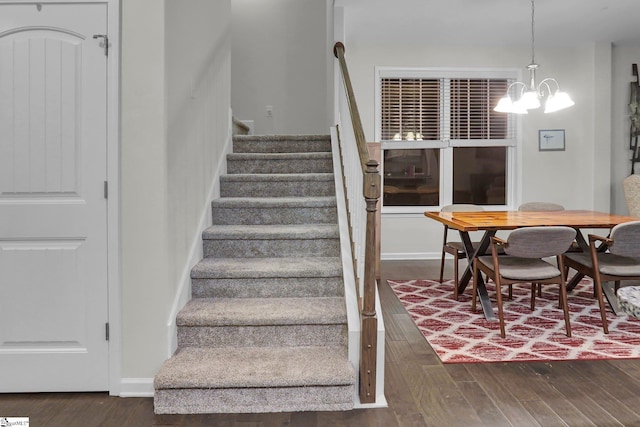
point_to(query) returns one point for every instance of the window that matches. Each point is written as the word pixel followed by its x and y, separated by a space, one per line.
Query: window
pixel 442 142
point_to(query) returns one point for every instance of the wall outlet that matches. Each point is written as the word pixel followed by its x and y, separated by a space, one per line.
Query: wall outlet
pixel 269 109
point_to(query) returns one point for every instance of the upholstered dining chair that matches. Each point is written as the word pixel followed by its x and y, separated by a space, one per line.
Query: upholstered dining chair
pixel 621 261
pixel 523 262
pixel 631 188
pixel 547 207
pixel 540 206
pixel 456 249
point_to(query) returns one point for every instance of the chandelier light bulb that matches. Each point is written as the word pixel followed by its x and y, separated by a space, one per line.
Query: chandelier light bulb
pixel 529 100
pixel 505 105
pixel 558 101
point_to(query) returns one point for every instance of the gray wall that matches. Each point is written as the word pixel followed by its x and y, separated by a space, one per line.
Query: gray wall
pixel 279 58
pixel 175 120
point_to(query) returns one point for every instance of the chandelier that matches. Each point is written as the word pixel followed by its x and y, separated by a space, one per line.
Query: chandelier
pixel 530 96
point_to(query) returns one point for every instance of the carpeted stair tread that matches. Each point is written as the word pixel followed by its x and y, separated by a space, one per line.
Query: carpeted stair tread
pixel 279 156
pixel 262 311
pixel 276 162
pixel 265 232
pixel 277 184
pixel 261 367
pixel 274 202
pixel 278 138
pixel 267 267
pixel 276 287
pixel 277 177
pixel 281 143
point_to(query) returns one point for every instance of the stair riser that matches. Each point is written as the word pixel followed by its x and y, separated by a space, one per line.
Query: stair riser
pixel 271 248
pixel 268 287
pixel 281 146
pixel 253 400
pixel 277 189
pixel 287 215
pixel 262 336
pixel 280 166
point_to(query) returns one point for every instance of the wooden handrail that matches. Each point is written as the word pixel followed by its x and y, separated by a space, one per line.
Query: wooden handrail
pixel 243 127
pixel 338 51
pixel 371 194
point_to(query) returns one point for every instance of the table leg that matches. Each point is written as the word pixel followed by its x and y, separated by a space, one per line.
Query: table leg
pixel 468 272
pixel 573 282
pixel 609 291
pixel 582 243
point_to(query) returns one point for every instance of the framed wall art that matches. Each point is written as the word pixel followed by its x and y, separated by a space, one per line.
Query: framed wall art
pixel 551 140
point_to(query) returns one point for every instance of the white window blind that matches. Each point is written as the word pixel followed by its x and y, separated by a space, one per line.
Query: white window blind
pixel 472 115
pixel 443 109
pixel 411 106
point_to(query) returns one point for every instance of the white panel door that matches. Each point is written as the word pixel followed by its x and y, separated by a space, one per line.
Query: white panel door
pixel 53 224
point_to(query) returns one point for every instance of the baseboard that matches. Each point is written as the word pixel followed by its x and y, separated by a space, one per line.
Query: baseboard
pixel 399 256
pixel 136 387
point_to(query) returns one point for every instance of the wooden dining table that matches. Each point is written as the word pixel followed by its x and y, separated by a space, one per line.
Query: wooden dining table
pixel 493 221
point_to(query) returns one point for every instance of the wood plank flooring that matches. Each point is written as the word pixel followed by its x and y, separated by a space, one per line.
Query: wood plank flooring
pixel 420 390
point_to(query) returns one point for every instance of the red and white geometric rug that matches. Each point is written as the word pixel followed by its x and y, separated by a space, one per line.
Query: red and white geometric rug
pixel 459 335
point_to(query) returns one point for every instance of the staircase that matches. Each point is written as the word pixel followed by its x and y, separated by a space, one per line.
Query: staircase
pixel 266 329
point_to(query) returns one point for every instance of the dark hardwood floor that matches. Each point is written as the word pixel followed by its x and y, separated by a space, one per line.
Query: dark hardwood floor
pixel 420 390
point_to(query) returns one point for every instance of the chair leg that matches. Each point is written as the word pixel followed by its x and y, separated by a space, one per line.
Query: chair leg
pixel 597 288
pixel 474 288
pixel 540 290
pixel 442 265
pixel 500 313
pixel 533 296
pixel 560 300
pixel 455 276
pixel 565 308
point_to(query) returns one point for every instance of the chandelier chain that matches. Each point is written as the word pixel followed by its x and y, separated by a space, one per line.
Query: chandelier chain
pixel 533 34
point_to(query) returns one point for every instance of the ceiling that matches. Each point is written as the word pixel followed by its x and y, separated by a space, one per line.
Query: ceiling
pixel 559 23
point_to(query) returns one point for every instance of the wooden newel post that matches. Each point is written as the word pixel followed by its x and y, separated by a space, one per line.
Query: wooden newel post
pixel 369 321
pixel 371 192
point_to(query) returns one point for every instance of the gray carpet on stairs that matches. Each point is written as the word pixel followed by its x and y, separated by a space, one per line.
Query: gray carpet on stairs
pixel 266 329
pixel 255 380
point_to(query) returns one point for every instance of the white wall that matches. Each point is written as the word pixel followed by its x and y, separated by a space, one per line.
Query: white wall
pixel 622 59
pixel 144 240
pixel 198 53
pixel 175 123
pixel 280 59
pixel 567 177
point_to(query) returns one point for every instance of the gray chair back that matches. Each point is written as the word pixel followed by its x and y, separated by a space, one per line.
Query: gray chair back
pixel 626 239
pixel 539 242
pixel 631 187
pixel 540 206
pixel 462 207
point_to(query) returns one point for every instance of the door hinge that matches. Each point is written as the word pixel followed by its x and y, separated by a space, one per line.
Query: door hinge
pixel 106 190
pixel 105 42
pixel 106 331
